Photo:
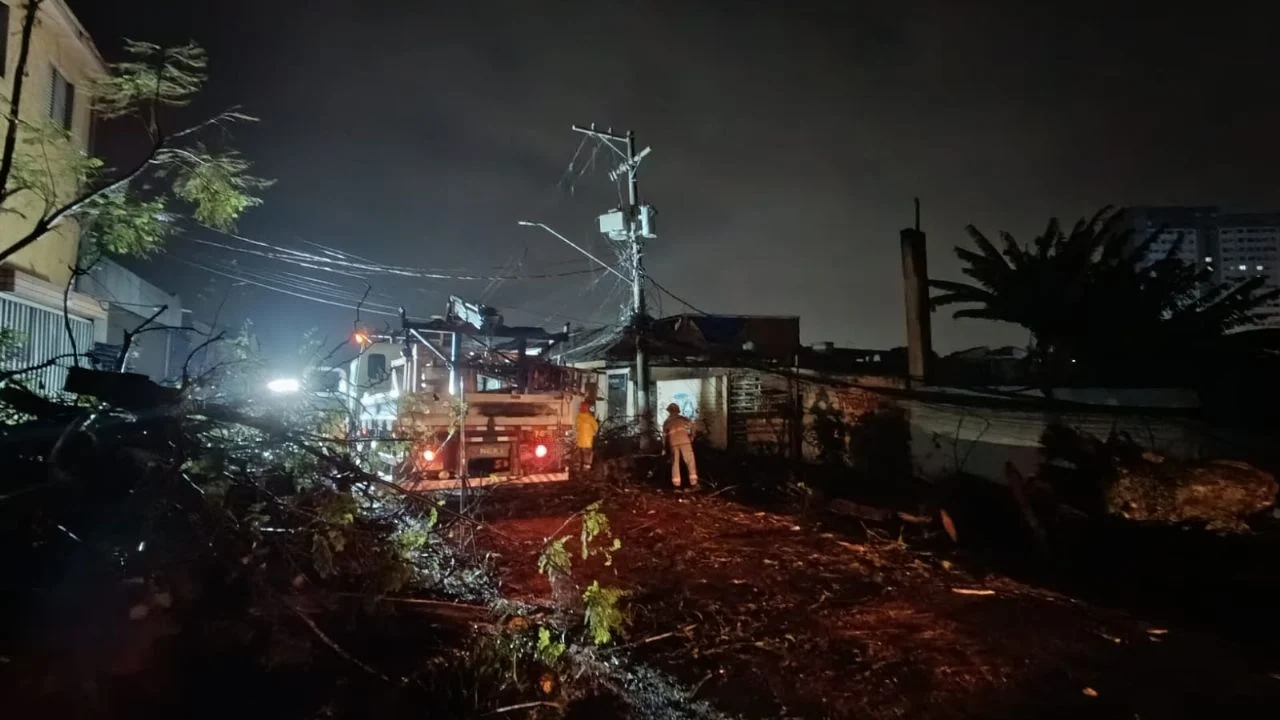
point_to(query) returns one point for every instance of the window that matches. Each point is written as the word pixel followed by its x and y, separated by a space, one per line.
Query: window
pixel 4 38
pixel 62 99
pixel 378 367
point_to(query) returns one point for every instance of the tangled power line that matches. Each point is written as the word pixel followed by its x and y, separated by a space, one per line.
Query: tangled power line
pixel 355 274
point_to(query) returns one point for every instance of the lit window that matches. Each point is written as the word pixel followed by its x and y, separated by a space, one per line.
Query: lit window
pixel 1208 259
pixel 1259 267
pixel 1244 267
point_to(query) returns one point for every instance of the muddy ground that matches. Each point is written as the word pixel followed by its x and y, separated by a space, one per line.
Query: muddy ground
pixel 767 612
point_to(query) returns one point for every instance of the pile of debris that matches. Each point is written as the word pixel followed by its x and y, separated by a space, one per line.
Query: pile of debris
pixel 767 611
pixel 1117 477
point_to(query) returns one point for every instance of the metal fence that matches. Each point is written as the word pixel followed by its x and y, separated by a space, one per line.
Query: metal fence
pixel 41 334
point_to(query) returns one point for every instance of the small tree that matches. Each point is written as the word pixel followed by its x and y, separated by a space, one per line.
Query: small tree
pixel 131 210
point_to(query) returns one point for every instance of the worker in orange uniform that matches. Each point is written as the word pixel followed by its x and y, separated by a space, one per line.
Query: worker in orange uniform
pixel 678 431
pixel 587 426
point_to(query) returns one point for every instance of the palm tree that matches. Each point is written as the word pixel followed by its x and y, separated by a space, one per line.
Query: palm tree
pixel 1093 302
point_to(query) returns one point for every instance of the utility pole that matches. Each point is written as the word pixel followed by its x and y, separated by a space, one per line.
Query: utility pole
pixel 633 223
pixel 915 281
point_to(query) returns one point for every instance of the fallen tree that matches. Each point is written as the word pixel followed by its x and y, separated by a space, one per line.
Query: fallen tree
pixel 158 546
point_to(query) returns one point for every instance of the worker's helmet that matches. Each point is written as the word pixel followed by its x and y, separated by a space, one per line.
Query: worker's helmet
pixel 674 409
pixel 585 407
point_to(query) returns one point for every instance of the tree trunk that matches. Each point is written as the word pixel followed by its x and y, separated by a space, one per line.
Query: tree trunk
pixel 15 103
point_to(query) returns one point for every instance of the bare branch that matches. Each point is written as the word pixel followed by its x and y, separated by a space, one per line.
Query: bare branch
pixel 186 365
pixel 526 705
pixel 128 337
pixel 66 309
pixel 9 374
pixel 335 647
pixel 46 223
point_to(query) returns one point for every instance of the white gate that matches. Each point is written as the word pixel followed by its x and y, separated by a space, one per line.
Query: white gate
pixel 40 334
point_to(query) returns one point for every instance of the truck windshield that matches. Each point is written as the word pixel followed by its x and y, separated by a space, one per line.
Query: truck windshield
pixel 377 368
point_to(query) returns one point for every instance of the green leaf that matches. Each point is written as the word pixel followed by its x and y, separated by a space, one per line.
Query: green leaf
pixel 554 558
pixel 548 650
pixel 166 76
pixel 594 524
pixel 602 614
pixel 120 224
pixel 217 186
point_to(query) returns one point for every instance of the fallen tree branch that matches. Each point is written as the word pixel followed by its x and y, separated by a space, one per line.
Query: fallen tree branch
pixel 972 591
pixel 683 630
pixel 30 489
pixel 525 705
pixel 417 601
pixel 186 365
pixel 7 374
pixel 337 648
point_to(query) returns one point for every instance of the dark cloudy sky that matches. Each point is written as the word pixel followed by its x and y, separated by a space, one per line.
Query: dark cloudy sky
pixel 788 137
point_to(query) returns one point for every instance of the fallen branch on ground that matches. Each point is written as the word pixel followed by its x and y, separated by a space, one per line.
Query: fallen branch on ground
pixel 972 591
pixel 683 630
pixel 525 705
pixel 336 647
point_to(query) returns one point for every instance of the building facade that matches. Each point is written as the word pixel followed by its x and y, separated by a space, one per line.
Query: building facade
pixel 1233 246
pixel 152 316
pixel 1248 246
pixel 34 295
pixel 1189 232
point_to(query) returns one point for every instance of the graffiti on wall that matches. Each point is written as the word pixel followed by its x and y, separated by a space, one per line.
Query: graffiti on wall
pixel 686 403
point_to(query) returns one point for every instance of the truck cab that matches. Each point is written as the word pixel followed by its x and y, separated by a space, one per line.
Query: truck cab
pixel 438 407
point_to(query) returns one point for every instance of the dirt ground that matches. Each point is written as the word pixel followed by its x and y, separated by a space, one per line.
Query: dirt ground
pixel 766 613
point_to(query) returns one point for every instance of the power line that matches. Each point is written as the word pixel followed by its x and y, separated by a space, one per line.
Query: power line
pixel 337 296
pixel 339 293
pixel 354 269
pixel 677 298
pixel 284 291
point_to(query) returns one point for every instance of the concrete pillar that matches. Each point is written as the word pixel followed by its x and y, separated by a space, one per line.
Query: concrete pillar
pixel 915 278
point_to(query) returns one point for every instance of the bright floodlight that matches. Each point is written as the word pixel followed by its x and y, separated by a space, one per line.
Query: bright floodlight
pixel 284 385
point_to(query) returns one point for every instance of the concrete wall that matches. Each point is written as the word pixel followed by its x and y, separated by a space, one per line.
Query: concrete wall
pixel 952 431
pixel 846 405
pixel 57 42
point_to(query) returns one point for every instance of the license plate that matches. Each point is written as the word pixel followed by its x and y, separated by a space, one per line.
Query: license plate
pixel 496 450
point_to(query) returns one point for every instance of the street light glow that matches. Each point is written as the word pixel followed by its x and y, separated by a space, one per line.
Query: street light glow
pixel 284 385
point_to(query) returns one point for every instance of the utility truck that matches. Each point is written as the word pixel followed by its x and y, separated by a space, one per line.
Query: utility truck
pixel 465 400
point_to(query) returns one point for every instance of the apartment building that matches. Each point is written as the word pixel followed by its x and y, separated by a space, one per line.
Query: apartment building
pixel 61 63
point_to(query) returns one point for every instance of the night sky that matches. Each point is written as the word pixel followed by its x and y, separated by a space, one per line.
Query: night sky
pixel 788 139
